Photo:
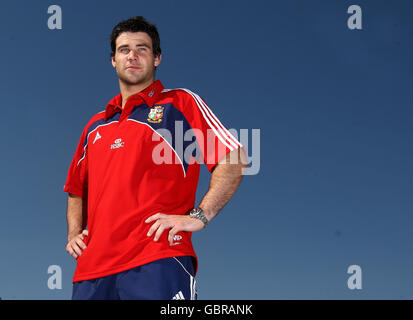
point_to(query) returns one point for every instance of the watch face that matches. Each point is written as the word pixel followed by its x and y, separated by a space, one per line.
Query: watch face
pixel 196 212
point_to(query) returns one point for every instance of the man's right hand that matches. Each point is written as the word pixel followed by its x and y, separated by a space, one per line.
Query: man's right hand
pixel 75 244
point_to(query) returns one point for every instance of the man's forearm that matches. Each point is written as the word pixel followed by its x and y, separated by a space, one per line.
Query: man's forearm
pixel 225 180
pixel 75 218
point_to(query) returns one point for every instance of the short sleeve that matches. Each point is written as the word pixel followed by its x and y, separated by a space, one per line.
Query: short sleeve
pixel 214 139
pixel 76 181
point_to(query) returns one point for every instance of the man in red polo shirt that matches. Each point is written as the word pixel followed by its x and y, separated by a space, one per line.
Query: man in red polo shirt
pixel 132 181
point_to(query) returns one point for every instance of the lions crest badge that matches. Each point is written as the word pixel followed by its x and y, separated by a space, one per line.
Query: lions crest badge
pixel 156 114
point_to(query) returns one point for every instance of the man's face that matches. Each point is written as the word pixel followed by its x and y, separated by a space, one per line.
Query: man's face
pixel 134 61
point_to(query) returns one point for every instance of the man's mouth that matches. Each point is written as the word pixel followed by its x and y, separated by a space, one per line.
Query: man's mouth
pixel 133 67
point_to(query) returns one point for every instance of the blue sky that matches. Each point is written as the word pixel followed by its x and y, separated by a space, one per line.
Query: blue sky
pixel 334 110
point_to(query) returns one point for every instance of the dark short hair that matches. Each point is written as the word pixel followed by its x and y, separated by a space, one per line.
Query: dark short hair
pixel 136 24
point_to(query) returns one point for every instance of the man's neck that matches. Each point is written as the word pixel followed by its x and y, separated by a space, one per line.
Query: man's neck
pixel 128 90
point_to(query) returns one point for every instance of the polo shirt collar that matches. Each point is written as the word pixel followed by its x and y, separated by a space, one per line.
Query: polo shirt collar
pixel 149 95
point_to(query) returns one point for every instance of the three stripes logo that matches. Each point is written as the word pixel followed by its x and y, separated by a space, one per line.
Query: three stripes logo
pixel 223 134
pixel 220 131
pixel 179 296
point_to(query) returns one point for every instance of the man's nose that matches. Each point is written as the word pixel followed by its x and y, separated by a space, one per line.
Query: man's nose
pixel 132 55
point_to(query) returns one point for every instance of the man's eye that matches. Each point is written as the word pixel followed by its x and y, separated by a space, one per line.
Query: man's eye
pixel 124 50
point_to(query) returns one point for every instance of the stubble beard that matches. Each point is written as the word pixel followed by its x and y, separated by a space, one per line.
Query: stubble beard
pixel 133 81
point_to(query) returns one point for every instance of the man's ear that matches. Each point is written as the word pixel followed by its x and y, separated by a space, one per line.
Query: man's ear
pixel 113 61
pixel 158 60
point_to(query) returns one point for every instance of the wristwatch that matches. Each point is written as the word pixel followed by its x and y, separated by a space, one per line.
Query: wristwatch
pixel 198 213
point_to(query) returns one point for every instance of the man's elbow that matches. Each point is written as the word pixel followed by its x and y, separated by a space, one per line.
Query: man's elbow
pixel 235 162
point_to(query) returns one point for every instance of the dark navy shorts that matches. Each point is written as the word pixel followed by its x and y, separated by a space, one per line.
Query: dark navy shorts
pixel 164 279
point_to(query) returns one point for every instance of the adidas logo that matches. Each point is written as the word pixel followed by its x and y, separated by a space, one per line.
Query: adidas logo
pixel 179 296
pixel 97 137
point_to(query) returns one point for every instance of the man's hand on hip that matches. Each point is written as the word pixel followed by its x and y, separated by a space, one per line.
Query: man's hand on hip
pixel 176 223
pixel 75 244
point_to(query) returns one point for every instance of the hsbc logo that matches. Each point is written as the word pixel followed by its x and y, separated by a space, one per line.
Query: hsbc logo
pixel 177 237
pixel 118 144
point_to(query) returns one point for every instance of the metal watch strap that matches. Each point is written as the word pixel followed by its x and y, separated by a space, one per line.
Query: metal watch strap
pixel 198 213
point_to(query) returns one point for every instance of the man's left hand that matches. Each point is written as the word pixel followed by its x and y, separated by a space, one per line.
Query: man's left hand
pixel 174 222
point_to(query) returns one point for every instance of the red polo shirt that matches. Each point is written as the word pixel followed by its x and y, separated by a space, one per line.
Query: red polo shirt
pixel 134 162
